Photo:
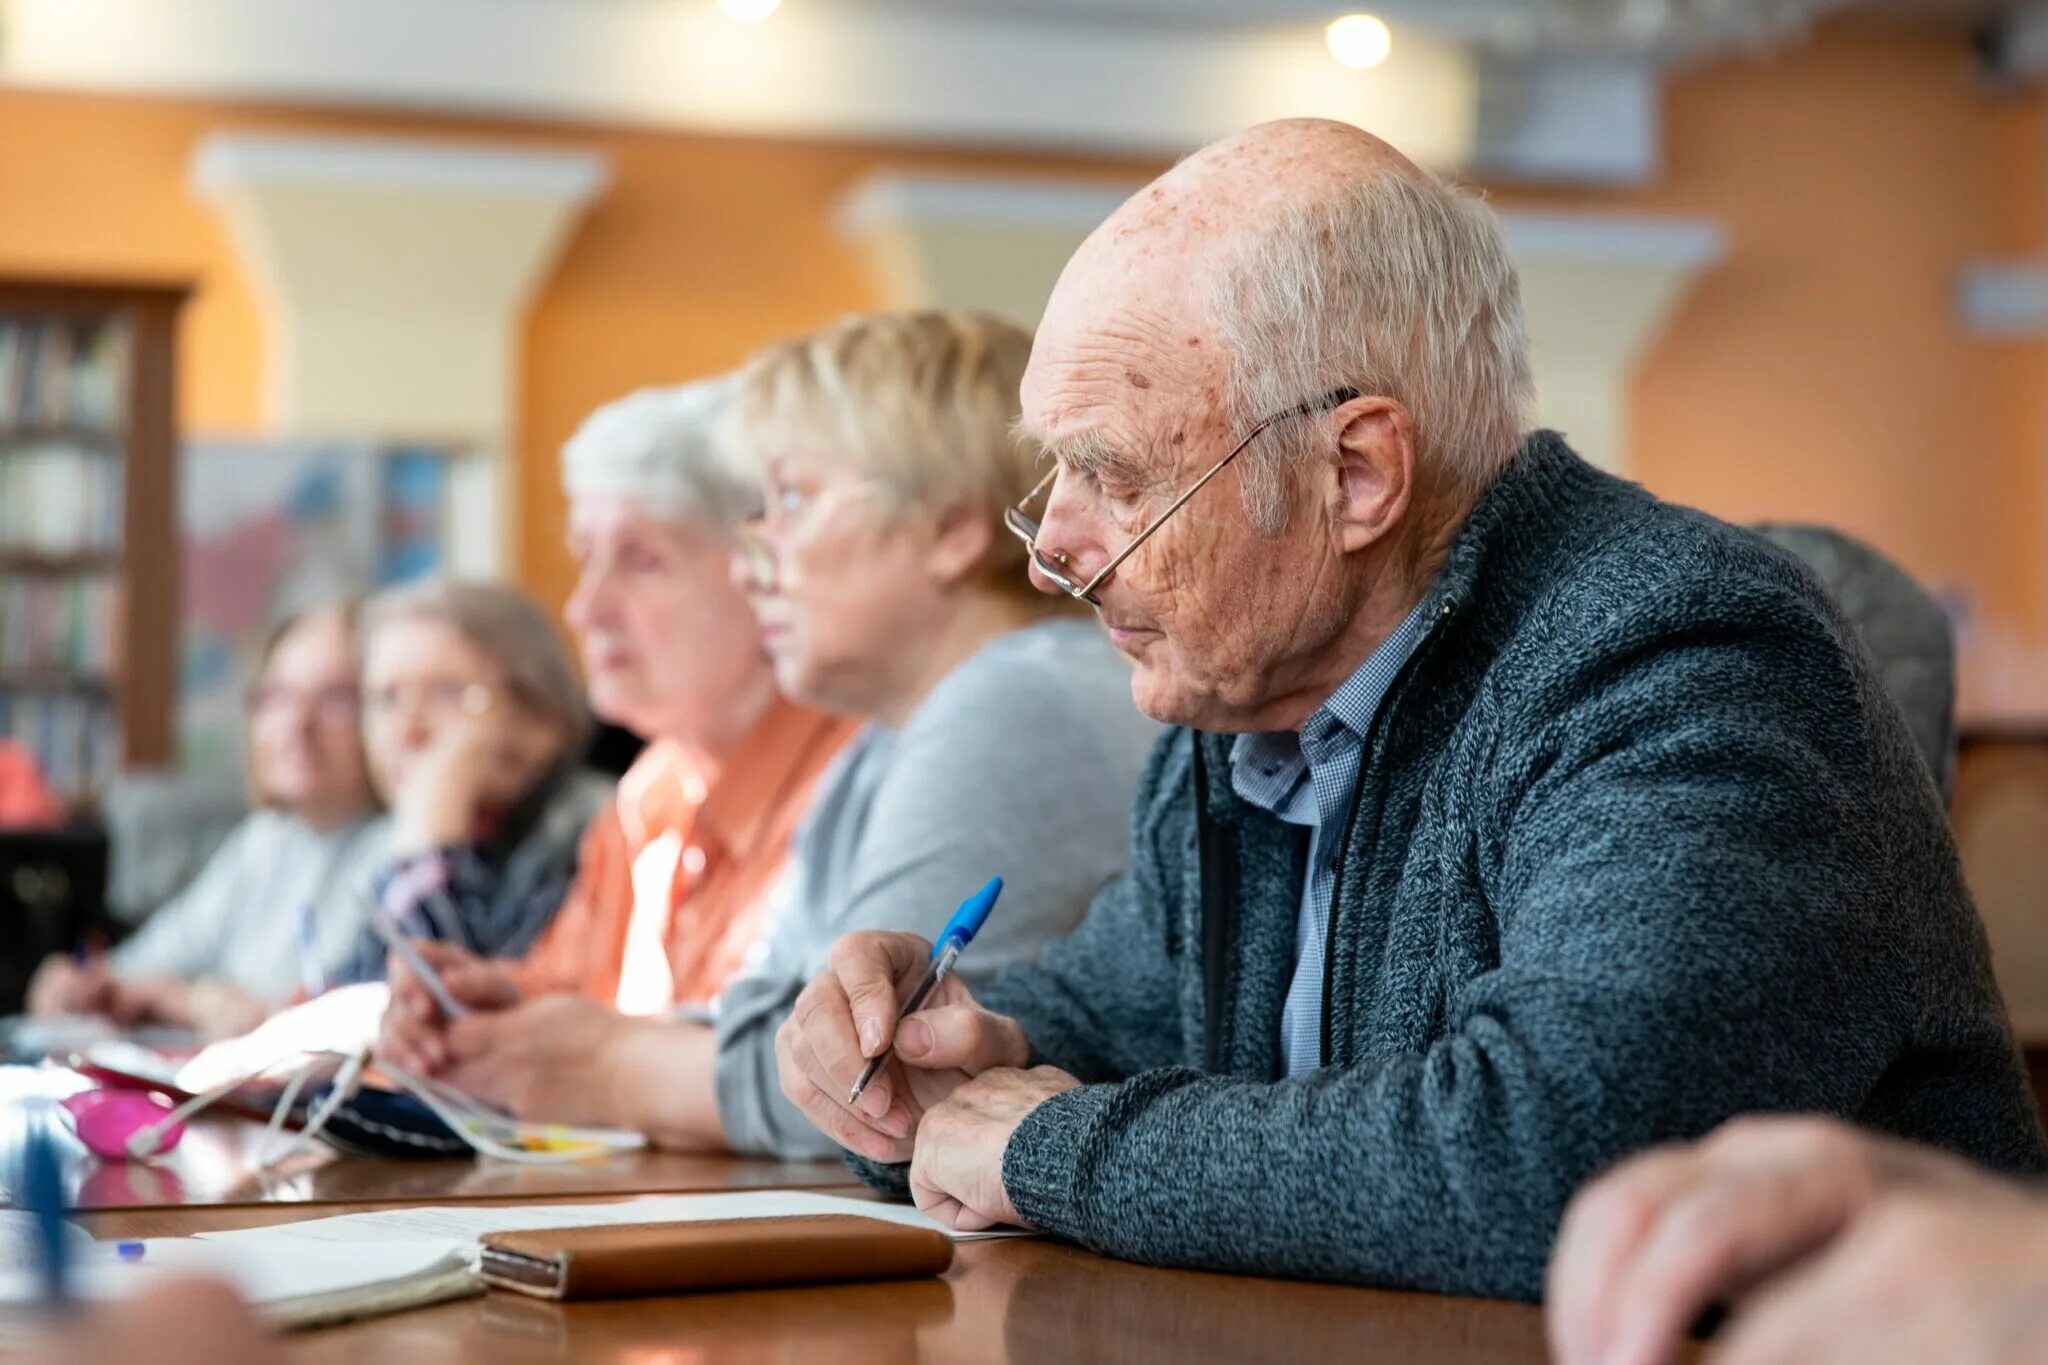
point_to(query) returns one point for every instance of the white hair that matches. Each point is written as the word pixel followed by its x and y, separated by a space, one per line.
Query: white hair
pixel 1399 286
pixel 662 449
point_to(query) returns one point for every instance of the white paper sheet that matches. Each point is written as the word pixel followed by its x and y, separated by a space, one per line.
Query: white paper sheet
pixel 270 1275
pixel 469 1223
pixel 21 1241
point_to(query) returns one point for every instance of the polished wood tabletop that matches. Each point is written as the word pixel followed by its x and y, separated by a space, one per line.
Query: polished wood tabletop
pixel 217 1162
pixel 1024 1300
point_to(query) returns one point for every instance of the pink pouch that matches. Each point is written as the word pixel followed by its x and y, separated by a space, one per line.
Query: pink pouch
pixel 105 1119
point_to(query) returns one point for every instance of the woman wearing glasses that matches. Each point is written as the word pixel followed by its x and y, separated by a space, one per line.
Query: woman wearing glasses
pixel 269 911
pixel 474 725
pixel 1000 737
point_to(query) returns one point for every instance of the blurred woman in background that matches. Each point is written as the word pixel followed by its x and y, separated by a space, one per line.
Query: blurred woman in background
pixel 271 913
pixel 474 726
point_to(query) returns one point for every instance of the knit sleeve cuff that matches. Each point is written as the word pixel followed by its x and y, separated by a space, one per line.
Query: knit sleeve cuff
pixel 1043 1165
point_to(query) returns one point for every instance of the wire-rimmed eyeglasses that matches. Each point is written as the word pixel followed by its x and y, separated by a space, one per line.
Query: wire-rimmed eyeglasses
pixel 1056 567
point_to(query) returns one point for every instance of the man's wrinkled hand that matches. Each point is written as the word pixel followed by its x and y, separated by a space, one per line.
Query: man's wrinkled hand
pixel 956 1170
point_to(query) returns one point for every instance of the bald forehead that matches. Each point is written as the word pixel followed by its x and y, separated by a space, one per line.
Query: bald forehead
pixel 1231 187
pixel 1126 339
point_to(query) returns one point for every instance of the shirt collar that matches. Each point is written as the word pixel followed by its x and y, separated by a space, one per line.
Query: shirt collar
pixel 1352 706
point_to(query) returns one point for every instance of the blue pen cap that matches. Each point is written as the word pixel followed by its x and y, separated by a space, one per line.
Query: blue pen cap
pixel 969 918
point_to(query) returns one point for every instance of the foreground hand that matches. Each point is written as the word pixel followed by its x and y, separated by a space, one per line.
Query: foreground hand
pixel 1929 1274
pixel 1649 1246
pixel 413 1034
pixel 849 1014
pixel 185 1322
pixel 546 1059
pixel 956 1172
pixel 204 1322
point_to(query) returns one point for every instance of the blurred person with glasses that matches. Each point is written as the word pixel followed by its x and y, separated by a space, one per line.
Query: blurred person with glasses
pixel 272 907
pixel 474 726
pixel 1511 820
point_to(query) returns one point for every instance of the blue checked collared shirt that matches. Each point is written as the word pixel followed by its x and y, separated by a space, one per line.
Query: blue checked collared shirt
pixel 1307 779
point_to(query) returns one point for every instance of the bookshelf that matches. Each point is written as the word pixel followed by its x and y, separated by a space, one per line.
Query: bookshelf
pixel 88 525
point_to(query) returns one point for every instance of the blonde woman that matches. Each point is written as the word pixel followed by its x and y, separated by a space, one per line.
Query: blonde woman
pixel 998 733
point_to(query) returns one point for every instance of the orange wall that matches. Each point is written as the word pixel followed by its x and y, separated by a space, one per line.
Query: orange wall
pixel 1818 372
pixel 699 251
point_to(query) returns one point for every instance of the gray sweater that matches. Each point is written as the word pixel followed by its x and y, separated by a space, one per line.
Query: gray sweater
pixel 1645 846
pixel 240 921
pixel 908 823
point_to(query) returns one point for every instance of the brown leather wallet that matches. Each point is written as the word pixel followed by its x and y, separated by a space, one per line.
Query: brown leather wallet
pixel 727 1253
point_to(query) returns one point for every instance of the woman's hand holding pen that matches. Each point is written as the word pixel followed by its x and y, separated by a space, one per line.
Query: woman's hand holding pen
pixel 849 1014
pixel 413 1034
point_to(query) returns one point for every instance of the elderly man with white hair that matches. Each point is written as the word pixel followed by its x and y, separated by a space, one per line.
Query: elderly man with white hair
pixel 1514 820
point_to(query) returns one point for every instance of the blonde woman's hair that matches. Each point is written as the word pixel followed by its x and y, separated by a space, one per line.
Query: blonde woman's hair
pixel 924 403
pixel 507 627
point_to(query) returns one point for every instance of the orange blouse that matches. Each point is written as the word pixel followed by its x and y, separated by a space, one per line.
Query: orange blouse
pixel 715 842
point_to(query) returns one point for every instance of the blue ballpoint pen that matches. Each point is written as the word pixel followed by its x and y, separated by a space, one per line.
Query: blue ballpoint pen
pixel 958 933
pixel 42 1182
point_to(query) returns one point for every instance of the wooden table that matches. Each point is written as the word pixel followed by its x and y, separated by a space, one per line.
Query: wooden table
pixel 1024 1300
pixel 1019 1300
pixel 215 1164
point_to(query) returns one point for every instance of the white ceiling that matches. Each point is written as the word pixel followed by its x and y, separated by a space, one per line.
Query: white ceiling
pixel 1145 76
pixel 1513 23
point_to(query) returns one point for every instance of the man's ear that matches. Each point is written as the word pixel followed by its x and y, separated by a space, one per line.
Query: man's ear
pixel 1374 472
pixel 961 536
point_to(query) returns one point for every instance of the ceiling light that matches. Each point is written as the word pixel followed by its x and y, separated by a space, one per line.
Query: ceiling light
pixel 1359 41
pixel 749 11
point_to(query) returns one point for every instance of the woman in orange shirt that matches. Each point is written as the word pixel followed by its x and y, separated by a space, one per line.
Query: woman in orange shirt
pixel 671 874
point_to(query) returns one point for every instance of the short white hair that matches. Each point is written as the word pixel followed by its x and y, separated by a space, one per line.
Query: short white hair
pixel 662 449
pixel 1400 286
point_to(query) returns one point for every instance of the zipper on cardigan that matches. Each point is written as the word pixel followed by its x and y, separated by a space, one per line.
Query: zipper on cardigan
pixel 1365 766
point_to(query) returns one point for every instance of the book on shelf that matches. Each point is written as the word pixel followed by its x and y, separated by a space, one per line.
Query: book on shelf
pixel 62 372
pixel 60 498
pixel 59 625
pixel 75 737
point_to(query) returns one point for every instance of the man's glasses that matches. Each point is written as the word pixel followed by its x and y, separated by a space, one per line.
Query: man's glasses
pixel 1055 566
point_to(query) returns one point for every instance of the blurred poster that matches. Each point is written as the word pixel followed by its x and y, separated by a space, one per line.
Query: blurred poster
pixel 274 527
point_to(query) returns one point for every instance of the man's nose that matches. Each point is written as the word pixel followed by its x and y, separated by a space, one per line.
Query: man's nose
pixel 1069 535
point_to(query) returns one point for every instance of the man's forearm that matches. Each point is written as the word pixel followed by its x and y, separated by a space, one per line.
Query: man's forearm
pixel 660 1079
